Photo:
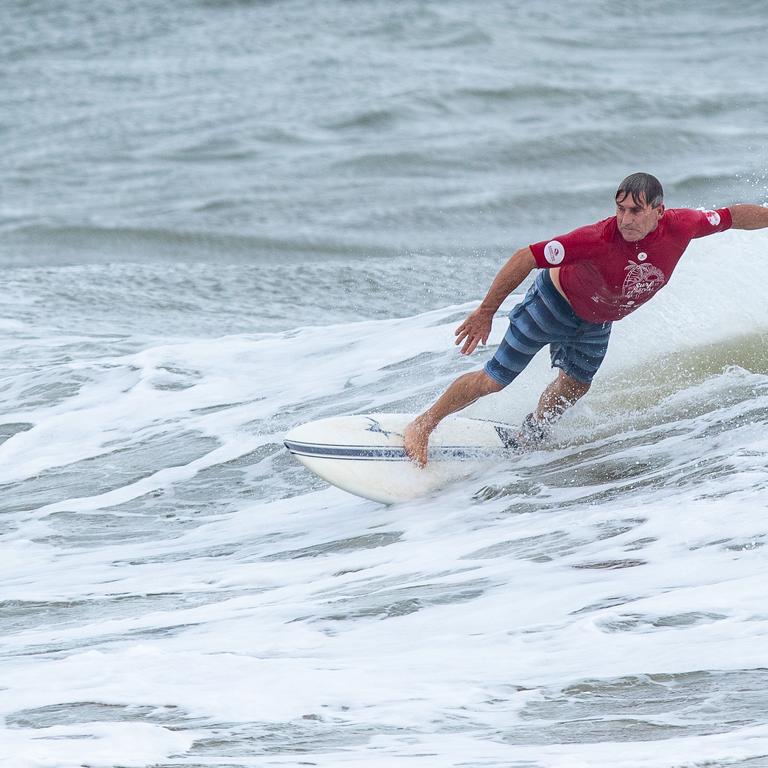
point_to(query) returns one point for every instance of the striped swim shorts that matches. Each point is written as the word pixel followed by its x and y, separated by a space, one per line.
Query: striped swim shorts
pixel 545 317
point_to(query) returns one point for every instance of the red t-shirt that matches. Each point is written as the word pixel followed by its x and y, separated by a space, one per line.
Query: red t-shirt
pixel 604 277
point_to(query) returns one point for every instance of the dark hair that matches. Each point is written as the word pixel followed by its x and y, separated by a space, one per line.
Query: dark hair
pixel 642 186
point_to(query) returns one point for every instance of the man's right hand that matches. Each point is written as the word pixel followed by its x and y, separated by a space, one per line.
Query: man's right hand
pixel 475 329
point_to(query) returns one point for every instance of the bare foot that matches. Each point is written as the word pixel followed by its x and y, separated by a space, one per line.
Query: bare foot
pixel 416 441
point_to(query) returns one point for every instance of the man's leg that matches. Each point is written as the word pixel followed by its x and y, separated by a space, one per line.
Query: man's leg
pixel 555 400
pixel 560 395
pixel 463 392
pixel 582 356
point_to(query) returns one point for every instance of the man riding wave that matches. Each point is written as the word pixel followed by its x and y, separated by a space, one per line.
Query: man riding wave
pixel 588 279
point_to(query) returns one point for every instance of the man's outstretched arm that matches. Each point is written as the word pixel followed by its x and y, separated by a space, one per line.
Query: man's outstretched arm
pixel 749 216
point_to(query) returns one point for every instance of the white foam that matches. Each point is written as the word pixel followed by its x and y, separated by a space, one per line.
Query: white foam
pixel 635 548
pixel 101 745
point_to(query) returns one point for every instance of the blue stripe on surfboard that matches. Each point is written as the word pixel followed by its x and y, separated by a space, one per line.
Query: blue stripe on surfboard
pixel 389 453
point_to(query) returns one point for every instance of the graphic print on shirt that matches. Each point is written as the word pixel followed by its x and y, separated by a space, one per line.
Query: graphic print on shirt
pixel 642 280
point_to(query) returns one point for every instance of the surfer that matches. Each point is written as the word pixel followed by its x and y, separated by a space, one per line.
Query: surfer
pixel 588 279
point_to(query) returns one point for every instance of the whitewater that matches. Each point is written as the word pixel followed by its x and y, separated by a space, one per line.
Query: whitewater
pixel 176 590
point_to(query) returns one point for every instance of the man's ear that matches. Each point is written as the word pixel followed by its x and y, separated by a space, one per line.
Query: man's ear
pixel 661 209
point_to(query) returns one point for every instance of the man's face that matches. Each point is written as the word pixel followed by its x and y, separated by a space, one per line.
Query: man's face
pixel 636 218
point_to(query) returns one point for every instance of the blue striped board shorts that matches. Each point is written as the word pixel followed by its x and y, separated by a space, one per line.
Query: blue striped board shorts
pixel 576 346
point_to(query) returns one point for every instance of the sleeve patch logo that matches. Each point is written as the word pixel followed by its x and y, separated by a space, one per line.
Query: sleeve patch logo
pixel 554 252
pixel 713 217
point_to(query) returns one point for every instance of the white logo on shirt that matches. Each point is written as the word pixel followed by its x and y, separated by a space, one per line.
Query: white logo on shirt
pixel 713 217
pixel 642 256
pixel 641 280
pixel 554 252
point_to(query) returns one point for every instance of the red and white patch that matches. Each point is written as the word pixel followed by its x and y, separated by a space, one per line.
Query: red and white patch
pixel 713 217
pixel 554 252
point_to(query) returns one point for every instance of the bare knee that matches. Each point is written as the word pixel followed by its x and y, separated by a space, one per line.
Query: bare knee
pixel 486 383
pixel 478 383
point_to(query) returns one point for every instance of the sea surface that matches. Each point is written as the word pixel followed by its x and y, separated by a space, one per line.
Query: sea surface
pixel 220 219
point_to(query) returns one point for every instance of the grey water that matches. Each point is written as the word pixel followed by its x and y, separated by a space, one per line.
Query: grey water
pixel 349 157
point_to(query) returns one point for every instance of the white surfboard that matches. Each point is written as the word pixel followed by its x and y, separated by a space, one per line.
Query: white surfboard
pixel 365 456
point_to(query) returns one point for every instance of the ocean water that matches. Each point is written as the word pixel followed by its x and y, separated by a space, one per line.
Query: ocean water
pixel 220 219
